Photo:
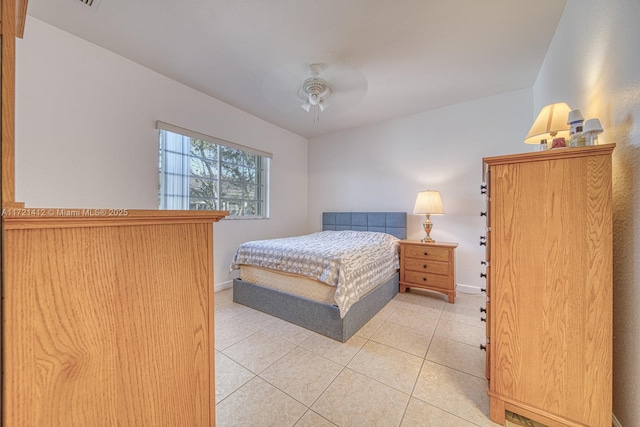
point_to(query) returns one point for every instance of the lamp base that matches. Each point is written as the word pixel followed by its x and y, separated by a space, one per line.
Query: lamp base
pixel 427 229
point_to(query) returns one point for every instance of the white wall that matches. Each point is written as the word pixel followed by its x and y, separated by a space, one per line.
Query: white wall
pixel 86 137
pixel 382 167
pixel 593 64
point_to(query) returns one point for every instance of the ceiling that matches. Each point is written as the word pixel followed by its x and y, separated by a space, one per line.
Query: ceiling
pixel 385 58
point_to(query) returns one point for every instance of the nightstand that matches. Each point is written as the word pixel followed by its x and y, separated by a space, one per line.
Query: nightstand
pixel 428 266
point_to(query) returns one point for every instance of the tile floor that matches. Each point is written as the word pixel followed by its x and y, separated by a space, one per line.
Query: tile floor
pixel 416 363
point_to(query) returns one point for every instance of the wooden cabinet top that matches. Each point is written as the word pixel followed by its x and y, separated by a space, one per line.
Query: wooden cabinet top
pixel 553 154
pixel 31 218
pixel 440 244
pixel 556 153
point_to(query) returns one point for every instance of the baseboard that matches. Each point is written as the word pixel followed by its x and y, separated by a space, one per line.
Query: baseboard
pixel 466 289
pixel 616 423
pixel 217 287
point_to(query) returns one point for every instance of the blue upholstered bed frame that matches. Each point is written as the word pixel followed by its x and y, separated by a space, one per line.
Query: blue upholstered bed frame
pixel 394 223
pixel 324 318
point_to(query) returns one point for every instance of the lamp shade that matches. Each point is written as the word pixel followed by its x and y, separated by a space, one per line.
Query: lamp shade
pixel 551 123
pixel 592 126
pixel 574 116
pixel 429 203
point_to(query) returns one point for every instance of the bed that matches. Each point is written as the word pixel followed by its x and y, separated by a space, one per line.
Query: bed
pixel 312 303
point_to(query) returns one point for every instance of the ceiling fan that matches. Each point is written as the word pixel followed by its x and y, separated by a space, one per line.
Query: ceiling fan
pixel 314 92
pixel 296 88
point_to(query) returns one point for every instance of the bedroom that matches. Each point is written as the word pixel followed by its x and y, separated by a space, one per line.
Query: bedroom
pixel 111 102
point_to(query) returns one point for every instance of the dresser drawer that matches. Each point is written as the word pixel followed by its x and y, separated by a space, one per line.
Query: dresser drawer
pixel 426 252
pixel 426 266
pixel 426 279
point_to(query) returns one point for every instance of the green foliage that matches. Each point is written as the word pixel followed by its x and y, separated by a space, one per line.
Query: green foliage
pixel 234 171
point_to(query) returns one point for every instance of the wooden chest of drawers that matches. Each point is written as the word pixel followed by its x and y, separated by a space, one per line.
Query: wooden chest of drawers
pixel 549 270
pixel 428 266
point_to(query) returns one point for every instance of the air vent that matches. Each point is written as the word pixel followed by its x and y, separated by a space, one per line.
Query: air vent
pixel 91 4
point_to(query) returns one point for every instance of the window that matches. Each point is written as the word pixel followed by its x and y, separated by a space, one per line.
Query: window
pixel 198 172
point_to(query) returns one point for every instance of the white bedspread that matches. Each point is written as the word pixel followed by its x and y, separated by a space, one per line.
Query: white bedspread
pixel 350 260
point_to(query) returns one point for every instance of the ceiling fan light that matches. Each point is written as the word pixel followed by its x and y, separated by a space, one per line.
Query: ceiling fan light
pixel 314 98
pixel 306 106
pixel 322 105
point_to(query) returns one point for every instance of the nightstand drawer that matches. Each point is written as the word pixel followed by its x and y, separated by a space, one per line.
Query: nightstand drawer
pixel 427 252
pixel 426 266
pixel 426 279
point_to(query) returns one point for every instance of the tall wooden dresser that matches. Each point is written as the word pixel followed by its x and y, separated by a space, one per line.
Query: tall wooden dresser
pixel 107 314
pixel 549 262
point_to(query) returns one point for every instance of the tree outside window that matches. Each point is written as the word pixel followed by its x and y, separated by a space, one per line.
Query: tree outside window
pixel 198 174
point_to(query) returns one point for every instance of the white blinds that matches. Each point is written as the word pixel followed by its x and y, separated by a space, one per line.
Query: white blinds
pixel 174 178
pixel 212 139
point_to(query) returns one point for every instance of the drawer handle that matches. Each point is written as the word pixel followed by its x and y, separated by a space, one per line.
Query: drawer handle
pixel 424 279
pixel 424 266
pixel 426 253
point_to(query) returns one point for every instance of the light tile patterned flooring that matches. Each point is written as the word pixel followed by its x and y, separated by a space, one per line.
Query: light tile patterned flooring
pixel 416 363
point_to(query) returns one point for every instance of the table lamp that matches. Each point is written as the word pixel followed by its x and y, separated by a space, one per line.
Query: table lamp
pixel 428 203
pixel 551 123
pixel 592 128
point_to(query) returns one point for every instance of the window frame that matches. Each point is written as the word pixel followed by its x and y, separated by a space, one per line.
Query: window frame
pixel 261 170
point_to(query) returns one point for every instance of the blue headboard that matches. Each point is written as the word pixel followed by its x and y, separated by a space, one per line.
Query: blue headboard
pixel 394 223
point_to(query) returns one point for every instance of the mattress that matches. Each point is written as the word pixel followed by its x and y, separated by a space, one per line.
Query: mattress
pixel 295 284
pixel 290 283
